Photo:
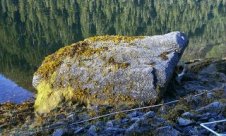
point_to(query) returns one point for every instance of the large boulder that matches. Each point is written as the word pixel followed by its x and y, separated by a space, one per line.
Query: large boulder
pixel 109 70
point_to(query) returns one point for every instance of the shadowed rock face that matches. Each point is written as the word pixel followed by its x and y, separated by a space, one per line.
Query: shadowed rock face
pixel 109 70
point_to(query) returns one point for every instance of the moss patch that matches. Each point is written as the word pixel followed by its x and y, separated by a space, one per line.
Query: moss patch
pixel 117 65
pixel 115 39
pixel 47 98
pixel 12 115
pixel 164 56
pixel 79 49
pixel 199 65
pixel 176 111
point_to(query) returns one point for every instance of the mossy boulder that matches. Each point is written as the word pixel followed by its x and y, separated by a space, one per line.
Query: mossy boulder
pixel 109 70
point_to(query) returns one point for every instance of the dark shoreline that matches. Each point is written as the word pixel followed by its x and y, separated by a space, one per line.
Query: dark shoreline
pixel 183 117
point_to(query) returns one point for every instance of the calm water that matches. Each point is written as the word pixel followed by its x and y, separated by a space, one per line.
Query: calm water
pixel 30 30
pixel 10 91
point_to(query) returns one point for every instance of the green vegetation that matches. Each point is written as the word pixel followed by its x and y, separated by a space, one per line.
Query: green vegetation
pixel 115 39
pixel 30 30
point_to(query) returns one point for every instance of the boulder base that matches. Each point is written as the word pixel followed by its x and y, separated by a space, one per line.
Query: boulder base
pixel 109 70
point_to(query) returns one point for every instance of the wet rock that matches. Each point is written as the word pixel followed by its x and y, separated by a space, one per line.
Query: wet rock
pixel 112 70
pixel 166 131
pixel 215 107
pixel 184 122
pixel 206 116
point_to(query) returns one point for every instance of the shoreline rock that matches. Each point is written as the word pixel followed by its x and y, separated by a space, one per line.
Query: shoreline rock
pixel 109 70
pixel 159 121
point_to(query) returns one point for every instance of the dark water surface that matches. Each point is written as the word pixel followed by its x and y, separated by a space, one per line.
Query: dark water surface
pixel 32 29
pixel 11 92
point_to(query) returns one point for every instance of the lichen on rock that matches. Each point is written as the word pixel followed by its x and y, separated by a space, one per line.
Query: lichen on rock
pixel 111 70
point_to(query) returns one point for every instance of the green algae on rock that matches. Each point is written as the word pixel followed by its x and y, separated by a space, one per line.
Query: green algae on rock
pixel 109 70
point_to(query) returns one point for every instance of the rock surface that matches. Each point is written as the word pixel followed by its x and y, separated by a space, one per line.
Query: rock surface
pixel 195 106
pixel 109 70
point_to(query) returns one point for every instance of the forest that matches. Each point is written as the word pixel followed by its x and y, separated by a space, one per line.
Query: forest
pixel 30 30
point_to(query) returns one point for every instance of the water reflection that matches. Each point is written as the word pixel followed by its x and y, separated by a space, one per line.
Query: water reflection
pixel 30 30
pixel 9 91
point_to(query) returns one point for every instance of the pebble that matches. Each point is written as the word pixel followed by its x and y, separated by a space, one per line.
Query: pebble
pixel 58 132
pixel 109 124
pixel 134 119
pixel 184 122
pixel 214 107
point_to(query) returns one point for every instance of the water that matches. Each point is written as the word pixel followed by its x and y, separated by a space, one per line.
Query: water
pixel 11 92
pixel 30 30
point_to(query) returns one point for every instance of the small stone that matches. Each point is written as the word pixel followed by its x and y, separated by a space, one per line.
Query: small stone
pixel 149 114
pixel 166 131
pixel 206 116
pixel 58 132
pixel 214 107
pixel 109 124
pixel 187 115
pixel 92 131
pixel 210 95
pixel 184 122
pixel 134 119
pixel 125 120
